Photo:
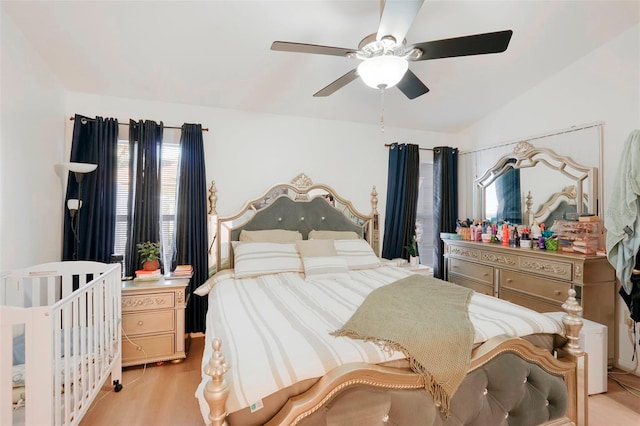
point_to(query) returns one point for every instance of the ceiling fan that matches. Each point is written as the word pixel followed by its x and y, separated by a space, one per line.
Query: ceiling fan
pixel 385 55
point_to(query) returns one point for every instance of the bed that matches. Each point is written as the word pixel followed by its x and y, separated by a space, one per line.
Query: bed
pixel 272 355
pixel 60 340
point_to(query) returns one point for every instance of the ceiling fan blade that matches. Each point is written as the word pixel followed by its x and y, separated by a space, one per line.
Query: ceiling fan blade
pixel 478 44
pixel 411 85
pixel 338 84
pixel 286 46
pixel 396 18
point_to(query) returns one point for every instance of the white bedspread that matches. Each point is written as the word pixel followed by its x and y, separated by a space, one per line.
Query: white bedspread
pixel 275 328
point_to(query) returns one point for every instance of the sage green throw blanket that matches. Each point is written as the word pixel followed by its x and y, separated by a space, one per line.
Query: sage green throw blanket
pixel 428 320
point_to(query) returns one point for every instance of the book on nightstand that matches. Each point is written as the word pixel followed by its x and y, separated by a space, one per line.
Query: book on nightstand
pixel 181 271
pixel 144 275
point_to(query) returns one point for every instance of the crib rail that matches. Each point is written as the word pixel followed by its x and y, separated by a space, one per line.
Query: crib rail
pixel 69 313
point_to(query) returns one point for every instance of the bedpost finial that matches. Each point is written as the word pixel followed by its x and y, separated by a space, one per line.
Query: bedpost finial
pixel 217 365
pixel 572 323
pixel 216 391
pixel 213 198
pixel 374 200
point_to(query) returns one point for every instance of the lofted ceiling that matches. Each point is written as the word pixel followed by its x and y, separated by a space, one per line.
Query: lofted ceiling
pixel 217 53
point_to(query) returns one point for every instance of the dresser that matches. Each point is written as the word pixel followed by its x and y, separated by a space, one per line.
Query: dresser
pixel 537 279
pixel 153 320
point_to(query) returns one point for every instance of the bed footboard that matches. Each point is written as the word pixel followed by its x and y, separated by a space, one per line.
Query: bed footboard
pixel 555 389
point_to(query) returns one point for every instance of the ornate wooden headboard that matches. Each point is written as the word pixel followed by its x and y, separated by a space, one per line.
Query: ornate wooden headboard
pixel 299 206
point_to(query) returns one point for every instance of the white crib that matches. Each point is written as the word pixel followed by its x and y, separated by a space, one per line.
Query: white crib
pixel 71 340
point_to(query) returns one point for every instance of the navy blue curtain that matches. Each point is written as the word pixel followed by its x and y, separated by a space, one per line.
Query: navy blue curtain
pixel 191 221
pixel 90 234
pixel 402 200
pixel 509 195
pixel 145 148
pixel 445 201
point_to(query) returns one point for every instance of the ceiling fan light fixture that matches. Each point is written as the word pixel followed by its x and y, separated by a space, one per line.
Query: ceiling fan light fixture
pixel 382 71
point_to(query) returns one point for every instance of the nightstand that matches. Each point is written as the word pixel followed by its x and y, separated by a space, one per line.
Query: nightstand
pixel 420 269
pixel 153 320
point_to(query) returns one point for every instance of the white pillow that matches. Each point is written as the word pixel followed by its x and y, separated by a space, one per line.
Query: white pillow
pixel 260 258
pixel 358 253
pixel 325 267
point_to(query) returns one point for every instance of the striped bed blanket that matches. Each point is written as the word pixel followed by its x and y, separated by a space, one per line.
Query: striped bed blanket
pixel 275 329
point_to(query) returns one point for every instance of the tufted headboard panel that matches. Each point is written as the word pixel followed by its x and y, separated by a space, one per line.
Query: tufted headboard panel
pixel 507 390
pixel 303 216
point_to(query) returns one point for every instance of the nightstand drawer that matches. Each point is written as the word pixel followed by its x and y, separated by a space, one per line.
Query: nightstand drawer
pixel 148 301
pixel 148 322
pixel 148 348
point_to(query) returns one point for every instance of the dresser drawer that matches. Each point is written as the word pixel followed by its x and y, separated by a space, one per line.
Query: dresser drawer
pixel 534 285
pixel 482 288
pixel 463 252
pixel 140 349
pixel 148 322
pixel 549 268
pixel 143 302
pixel 535 303
pixel 499 259
pixel 471 270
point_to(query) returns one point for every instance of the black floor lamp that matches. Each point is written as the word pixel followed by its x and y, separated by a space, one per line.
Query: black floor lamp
pixel 75 204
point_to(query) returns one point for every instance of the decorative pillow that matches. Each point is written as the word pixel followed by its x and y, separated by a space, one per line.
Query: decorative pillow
pixel 325 267
pixel 358 253
pixel 260 258
pixel 313 248
pixel 270 236
pixel 206 287
pixel 333 235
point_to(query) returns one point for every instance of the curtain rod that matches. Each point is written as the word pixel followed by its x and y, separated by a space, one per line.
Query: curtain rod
pixel 542 136
pixel 387 145
pixel 204 129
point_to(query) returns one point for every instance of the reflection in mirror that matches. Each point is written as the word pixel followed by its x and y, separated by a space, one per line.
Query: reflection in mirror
pixel 510 184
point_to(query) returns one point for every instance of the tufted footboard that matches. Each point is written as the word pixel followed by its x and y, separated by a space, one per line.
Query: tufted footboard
pixel 506 390
pixel 510 382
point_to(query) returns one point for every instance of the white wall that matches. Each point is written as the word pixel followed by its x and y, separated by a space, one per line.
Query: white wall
pixel 602 86
pixel 247 152
pixel 31 143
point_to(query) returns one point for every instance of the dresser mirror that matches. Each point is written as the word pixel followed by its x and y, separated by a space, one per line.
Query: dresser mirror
pixel 535 184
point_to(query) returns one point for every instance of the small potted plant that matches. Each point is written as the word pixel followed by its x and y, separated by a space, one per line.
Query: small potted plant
pixel 149 255
pixel 412 251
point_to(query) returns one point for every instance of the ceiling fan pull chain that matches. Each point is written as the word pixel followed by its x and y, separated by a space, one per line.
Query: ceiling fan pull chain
pixel 382 109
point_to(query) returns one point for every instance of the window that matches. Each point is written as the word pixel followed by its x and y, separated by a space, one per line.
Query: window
pixel 168 181
pixel 424 214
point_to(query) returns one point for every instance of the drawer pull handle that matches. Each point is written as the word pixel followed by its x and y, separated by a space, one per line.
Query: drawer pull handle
pixel 558 292
pixel 140 323
pixel 509 280
pixel 139 348
pixel 485 274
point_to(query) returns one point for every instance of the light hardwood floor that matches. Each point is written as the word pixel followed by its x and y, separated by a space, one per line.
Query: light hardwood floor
pixel 164 395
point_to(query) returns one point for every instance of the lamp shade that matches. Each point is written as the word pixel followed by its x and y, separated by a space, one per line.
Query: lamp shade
pixel 382 71
pixel 81 167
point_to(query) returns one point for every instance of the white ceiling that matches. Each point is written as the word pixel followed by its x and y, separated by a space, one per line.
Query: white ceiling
pixel 217 53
